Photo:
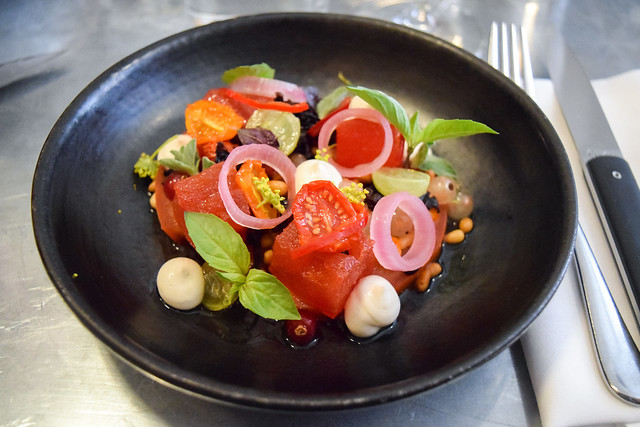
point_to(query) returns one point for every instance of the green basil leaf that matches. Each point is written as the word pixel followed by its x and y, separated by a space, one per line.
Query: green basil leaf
pixel 267 297
pixel 439 165
pixel 387 106
pixel 218 243
pixel 443 129
pixel 186 159
pixel 331 101
pixel 258 70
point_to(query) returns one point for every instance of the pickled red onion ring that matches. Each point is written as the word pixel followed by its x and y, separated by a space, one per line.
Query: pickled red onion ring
pixel 270 88
pixel 269 156
pixel 385 250
pixel 357 113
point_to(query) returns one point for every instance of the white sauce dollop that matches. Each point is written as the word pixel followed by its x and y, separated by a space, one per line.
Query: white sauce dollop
pixel 314 170
pixel 180 283
pixel 372 305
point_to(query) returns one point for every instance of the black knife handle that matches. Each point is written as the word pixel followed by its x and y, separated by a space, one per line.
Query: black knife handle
pixel 619 199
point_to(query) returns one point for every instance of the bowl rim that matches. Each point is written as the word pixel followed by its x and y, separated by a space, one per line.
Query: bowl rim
pixel 174 376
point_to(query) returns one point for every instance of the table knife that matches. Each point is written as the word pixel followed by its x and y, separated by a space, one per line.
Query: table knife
pixel 613 187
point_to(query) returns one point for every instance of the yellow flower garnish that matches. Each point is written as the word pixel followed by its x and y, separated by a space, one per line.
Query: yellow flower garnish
pixel 268 195
pixel 322 155
pixel 355 193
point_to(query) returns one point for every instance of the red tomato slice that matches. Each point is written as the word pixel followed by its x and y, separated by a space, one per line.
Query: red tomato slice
pixel 199 193
pixel 360 141
pixel 362 217
pixel 324 217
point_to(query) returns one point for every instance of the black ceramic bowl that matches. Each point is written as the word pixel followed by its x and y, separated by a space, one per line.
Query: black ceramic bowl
pixel 102 246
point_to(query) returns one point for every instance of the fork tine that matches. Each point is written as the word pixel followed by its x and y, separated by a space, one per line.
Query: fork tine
pixel 509 53
pixel 506 52
pixel 526 64
pixel 516 54
pixel 493 54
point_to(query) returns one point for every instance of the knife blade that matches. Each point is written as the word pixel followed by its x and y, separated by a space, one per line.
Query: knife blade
pixel 609 177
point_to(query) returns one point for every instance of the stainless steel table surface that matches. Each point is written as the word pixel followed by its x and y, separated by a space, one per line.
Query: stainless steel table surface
pixel 53 371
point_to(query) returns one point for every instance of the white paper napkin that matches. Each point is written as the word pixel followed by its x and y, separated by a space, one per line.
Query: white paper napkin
pixel 558 347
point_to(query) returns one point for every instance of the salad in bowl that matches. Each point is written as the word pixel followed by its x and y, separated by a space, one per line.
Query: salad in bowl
pixel 305 208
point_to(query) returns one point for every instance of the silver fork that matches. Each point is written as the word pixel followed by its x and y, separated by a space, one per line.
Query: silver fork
pixel 618 356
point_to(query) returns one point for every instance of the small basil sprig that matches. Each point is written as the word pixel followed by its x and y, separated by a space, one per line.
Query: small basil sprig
pixel 147 165
pixel 416 136
pixel 224 250
pixel 186 159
